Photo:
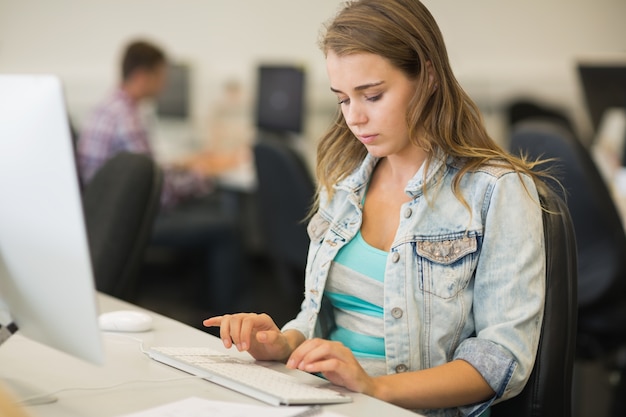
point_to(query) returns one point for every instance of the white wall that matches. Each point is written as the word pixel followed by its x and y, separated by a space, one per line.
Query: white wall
pixel 500 49
pixel 497 48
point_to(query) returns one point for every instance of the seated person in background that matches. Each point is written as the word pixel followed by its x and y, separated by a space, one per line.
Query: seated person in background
pixel 192 215
pixel 425 281
pixel 116 125
pixel 608 147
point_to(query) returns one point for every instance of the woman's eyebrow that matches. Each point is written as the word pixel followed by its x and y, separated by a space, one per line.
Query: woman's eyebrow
pixel 360 87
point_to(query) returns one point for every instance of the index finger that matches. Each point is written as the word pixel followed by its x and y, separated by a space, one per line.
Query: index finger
pixel 213 321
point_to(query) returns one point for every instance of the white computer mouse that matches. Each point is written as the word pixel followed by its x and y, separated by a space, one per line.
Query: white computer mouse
pixel 125 321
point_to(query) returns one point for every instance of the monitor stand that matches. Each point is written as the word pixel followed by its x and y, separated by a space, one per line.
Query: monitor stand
pixel 25 393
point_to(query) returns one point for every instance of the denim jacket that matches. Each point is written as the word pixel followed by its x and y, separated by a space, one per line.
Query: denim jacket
pixel 459 284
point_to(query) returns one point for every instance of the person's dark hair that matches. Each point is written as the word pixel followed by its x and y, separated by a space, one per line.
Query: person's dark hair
pixel 141 55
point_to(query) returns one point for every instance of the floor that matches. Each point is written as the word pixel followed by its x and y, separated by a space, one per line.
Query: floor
pixel 171 283
pixel 591 390
pixel 172 290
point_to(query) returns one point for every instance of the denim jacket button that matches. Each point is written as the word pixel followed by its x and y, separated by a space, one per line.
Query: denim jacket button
pixel 407 213
pixel 401 368
pixel 396 312
pixel 395 257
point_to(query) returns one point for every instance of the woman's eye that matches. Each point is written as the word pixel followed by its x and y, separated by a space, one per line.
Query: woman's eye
pixel 372 99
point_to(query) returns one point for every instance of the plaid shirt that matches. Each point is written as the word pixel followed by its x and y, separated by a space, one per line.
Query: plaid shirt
pixel 116 126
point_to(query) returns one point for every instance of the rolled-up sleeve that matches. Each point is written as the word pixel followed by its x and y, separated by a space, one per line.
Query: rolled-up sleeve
pixel 509 290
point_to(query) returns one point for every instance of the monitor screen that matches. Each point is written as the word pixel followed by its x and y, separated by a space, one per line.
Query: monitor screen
pixel 46 280
pixel 280 98
pixel 174 100
pixel 604 86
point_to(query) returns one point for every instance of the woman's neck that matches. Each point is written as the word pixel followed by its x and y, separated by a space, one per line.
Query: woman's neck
pixel 399 169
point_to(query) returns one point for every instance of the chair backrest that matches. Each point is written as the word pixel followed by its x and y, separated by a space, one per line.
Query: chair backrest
pixel 120 204
pixel 548 391
pixel 600 237
pixel 285 191
pixel 529 109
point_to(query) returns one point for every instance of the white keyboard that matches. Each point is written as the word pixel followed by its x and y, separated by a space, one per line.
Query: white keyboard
pixel 245 377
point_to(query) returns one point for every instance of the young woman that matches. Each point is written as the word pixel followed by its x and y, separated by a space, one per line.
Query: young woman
pixel 425 278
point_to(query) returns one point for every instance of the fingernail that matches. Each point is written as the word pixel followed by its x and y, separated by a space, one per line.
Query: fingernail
pixel 291 363
pixel 244 346
pixel 239 347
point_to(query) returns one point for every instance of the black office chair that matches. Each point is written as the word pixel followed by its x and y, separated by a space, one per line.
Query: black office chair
pixel 599 233
pixel 548 391
pixel 522 109
pixel 285 194
pixel 601 242
pixel 120 204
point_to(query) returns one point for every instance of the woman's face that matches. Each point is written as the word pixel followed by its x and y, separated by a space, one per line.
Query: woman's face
pixel 374 97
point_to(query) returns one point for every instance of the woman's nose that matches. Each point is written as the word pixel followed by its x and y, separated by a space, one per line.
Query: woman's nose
pixel 355 115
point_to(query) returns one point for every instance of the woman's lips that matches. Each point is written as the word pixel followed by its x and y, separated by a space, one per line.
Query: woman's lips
pixel 367 139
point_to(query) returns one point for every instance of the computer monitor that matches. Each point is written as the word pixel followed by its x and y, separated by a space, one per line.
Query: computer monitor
pixel 604 86
pixel 174 100
pixel 46 279
pixel 280 98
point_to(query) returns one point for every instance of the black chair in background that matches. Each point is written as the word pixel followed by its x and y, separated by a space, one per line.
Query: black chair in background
pixel 120 204
pixel 285 194
pixel 601 242
pixel 548 391
pixel 524 109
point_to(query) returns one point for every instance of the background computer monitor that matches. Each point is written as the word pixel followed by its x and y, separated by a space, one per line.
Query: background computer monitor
pixel 280 98
pixel 174 100
pixel 604 86
pixel 46 280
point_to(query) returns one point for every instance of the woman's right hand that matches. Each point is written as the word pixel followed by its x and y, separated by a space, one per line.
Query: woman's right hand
pixel 257 334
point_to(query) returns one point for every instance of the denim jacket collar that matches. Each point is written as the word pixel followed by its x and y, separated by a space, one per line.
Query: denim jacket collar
pixel 355 182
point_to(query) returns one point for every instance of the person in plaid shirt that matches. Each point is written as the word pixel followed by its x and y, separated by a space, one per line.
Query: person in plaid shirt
pixel 191 216
pixel 116 125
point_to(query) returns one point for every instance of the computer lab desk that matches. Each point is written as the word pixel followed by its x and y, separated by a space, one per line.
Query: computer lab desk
pixel 129 381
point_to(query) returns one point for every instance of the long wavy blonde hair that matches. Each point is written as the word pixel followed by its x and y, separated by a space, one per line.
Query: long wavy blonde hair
pixel 441 118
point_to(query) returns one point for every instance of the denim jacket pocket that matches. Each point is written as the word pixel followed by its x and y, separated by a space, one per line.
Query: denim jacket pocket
pixel 447 264
pixel 317 228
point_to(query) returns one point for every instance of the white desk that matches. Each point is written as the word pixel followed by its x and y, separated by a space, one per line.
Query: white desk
pixel 50 370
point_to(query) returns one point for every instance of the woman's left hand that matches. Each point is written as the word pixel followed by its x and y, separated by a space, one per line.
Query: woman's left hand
pixel 335 361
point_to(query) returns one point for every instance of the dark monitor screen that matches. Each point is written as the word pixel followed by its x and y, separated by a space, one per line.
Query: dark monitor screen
pixel 604 86
pixel 280 98
pixel 175 97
